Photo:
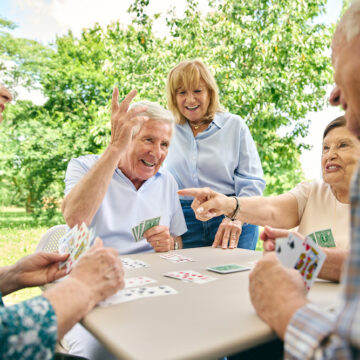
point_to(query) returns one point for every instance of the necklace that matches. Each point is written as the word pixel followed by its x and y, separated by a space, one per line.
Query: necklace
pixel 198 124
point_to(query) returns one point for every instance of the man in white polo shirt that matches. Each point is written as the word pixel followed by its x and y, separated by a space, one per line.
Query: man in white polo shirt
pixel 126 185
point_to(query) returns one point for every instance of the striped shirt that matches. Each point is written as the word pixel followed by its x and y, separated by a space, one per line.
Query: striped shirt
pixel 314 333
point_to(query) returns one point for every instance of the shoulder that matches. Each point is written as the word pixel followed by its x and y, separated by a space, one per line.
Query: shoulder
pixel 166 177
pixel 85 161
pixel 310 188
pixel 226 119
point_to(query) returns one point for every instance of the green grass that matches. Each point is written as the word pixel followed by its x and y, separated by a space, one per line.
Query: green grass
pixel 19 236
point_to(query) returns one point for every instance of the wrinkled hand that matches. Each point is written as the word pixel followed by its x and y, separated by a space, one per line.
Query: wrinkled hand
pixel 269 235
pixel 124 120
pixel 228 234
pixel 276 292
pixel 208 203
pixel 39 268
pixel 100 270
pixel 159 238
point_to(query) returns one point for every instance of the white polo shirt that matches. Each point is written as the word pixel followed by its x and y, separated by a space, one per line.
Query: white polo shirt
pixel 124 207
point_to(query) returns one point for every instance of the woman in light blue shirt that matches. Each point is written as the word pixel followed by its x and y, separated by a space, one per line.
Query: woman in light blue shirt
pixel 211 148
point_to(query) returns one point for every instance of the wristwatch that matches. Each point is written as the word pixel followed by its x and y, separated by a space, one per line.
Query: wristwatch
pixel 176 245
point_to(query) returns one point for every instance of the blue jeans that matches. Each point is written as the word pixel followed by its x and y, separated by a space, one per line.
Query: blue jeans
pixel 202 233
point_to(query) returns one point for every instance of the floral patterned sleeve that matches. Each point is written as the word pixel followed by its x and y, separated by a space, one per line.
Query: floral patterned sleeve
pixel 28 330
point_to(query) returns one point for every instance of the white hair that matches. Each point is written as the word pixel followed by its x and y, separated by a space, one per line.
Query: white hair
pixel 349 24
pixel 154 111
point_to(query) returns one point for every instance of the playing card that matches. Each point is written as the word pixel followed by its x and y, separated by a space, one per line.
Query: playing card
pixel 325 238
pixel 138 281
pixel 289 249
pixel 133 264
pixel 175 257
pixel 138 231
pixel 190 276
pixel 75 242
pixel 310 262
pixel 228 268
pixel 138 293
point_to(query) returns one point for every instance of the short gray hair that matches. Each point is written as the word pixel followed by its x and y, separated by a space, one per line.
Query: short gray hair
pixel 349 24
pixel 155 112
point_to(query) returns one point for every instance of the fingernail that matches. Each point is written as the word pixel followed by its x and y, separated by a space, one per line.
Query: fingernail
pixel 200 210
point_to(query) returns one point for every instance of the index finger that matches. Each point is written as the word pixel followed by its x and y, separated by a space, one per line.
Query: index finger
pixel 192 192
pixel 124 105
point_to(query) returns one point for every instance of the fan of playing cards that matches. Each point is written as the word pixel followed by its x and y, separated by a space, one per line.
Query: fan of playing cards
pixel 302 255
pixel 75 242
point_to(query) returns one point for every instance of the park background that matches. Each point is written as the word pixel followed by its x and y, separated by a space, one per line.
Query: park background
pixel 61 59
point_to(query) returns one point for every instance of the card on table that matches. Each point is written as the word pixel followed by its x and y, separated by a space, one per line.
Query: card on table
pixel 323 238
pixel 190 276
pixel 227 268
pixel 138 281
pixel 75 242
pixel 302 255
pixel 126 295
pixel 133 263
pixel 138 230
pixel 175 257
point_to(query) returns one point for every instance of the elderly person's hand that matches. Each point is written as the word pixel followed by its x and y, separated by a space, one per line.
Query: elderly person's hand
pixel 124 120
pixel 99 271
pixel 228 234
pixel 269 235
pixel 208 203
pixel 159 238
pixel 276 292
pixel 33 270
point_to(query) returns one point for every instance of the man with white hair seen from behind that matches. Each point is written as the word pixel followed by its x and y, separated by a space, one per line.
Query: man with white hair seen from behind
pixel 277 293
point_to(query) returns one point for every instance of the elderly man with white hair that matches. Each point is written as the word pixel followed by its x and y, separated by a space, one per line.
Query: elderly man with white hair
pixel 277 293
pixel 126 185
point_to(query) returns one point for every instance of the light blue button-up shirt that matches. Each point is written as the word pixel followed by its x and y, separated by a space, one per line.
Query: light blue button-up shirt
pixel 223 157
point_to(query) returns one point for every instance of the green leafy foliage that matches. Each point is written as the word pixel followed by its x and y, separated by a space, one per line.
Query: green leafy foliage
pixel 269 58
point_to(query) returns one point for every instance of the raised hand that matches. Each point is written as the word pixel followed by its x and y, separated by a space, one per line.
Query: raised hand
pixel 123 120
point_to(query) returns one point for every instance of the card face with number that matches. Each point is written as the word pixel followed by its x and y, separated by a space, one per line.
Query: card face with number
pixel 190 276
pixel 126 295
pixel 228 268
pixel 175 258
pixel 138 281
pixel 133 263
pixel 302 255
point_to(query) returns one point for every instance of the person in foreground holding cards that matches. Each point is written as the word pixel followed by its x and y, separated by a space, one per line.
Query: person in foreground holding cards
pixel 278 293
pixel 29 330
pixel 124 194
pixel 321 209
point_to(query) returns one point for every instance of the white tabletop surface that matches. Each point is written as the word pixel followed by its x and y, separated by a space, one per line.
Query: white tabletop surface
pixel 202 321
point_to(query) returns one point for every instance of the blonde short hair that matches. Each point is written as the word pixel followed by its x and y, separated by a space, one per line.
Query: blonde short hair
pixel 155 112
pixel 188 74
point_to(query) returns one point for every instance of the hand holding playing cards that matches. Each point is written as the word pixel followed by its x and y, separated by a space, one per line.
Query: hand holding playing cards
pixel 159 238
pixel 35 270
pixel 208 203
pixel 124 120
pixel 228 234
pixel 269 235
pixel 276 292
pixel 99 271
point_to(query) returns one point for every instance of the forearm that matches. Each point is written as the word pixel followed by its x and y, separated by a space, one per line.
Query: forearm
pixel 334 263
pixel 8 281
pixel 83 201
pixel 71 301
pixel 260 210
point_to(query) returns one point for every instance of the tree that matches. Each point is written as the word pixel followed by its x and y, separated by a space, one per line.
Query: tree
pixel 268 57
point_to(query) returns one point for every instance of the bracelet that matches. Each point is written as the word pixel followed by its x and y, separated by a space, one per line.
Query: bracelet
pixel 176 245
pixel 237 209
